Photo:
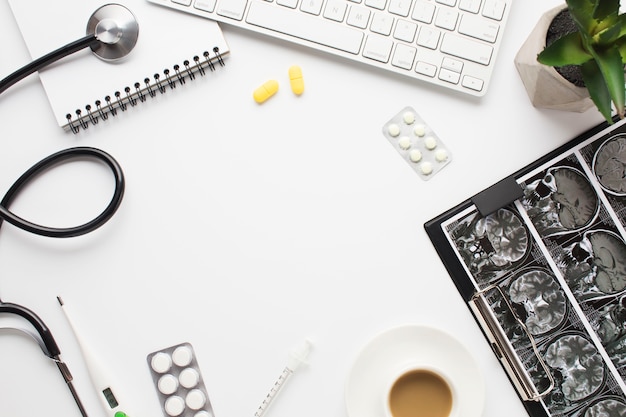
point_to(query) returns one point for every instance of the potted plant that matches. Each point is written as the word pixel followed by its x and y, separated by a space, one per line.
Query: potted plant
pixel 596 46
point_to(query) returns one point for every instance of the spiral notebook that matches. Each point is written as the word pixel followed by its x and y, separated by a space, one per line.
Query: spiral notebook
pixel 172 49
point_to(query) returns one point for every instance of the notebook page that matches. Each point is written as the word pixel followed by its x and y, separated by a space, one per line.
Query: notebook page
pixel 166 38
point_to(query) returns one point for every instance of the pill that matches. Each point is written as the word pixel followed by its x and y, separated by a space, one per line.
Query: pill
pixel 404 142
pixel 419 130
pixel 415 155
pixel 189 378
pixel 182 355
pixel 174 406
pixel 296 80
pixel 202 413
pixel 393 129
pixel 161 362
pixel 426 167
pixel 441 155
pixel 168 384
pixel 408 118
pixel 195 399
pixel 430 143
pixel 267 90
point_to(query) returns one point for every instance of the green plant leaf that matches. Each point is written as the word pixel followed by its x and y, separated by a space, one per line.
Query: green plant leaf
pixel 621 20
pixel 597 88
pixel 608 36
pixel 582 13
pixel 610 64
pixel 605 9
pixel 567 50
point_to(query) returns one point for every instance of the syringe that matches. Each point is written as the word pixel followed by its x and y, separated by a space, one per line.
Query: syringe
pixel 296 358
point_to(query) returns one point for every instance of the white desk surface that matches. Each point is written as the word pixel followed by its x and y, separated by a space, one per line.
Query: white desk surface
pixel 246 229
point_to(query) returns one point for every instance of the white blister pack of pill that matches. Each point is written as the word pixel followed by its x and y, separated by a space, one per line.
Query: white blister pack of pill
pixel 179 383
pixel 417 143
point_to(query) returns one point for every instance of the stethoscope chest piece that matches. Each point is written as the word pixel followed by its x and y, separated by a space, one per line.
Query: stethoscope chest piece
pixel 117 30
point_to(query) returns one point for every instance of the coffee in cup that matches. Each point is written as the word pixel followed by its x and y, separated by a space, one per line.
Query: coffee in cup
pixel 420 392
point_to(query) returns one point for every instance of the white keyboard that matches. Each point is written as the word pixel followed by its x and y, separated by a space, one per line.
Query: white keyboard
pixel 449 43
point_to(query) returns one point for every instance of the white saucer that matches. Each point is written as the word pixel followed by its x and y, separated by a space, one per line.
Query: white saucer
pixel 398 347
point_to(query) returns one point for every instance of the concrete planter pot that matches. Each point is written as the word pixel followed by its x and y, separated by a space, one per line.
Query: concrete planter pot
pixel 546 88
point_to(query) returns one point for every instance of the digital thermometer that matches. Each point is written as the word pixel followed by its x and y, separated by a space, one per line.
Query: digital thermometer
pixel 99 377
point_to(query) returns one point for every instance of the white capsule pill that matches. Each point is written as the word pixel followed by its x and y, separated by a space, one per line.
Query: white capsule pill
pixel 415 155
pixel 404 142
pixel 419 130
pixel 161 362
pixel 174 406
pixel 195 399
pixel 182 356
pixel 430 143
pixel 393 129
pixel 189 378
pixel 426 168
pixel 202 413
pixel 168 384
pixel 408 118
pixel 441 155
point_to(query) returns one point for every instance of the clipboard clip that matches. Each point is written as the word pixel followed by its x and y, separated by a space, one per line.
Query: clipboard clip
pixel 503 348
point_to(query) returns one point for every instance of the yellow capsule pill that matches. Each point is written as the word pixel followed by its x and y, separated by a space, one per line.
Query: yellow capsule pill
pixel 267 90
pixel 296 80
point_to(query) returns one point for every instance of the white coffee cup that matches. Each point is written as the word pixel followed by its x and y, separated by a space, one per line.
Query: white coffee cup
pixel 421 390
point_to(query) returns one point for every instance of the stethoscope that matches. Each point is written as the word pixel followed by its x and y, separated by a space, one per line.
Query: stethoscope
pixel 112 32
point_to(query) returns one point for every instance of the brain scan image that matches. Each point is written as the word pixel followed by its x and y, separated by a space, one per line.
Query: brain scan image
pixel 596 265
pixel 494 242
pixel 561 202
pixel 606 408
pixel 542 298
pixel 611 326
pixel 579 364
pixel 609 165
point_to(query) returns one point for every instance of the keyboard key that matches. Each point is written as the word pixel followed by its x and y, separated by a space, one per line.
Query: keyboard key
pixel 183 2
pixel 358 17
pixel 376 4
pixel 449 76
pixel 399 7
pixel 447 2
pixel 403 56
pixel 494 9
pixel 205 5
pixel 335 10
pixel 466 48
pixel 446 18
pixel 301 26
pixel 452 64
pixel 377 48
pixel 425 68
pixel 232 9
pixel 382 23
pixel 312 6
pixel 288 3
pixel 472 83
pixel 428 37
pixel 405 31
pixel 479 28
pixel 471 6
pixel 423 12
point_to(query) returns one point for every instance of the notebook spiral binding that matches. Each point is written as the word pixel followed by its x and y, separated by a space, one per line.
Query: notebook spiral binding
pixel 139 93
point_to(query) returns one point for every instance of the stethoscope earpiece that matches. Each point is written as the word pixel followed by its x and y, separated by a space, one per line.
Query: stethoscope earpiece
pixel 117 30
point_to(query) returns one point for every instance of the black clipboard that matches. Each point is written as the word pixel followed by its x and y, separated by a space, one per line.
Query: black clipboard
pixel 540 260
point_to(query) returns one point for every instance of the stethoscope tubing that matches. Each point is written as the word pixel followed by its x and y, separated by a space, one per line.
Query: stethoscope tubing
pixel 47 59
pixel 77 153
